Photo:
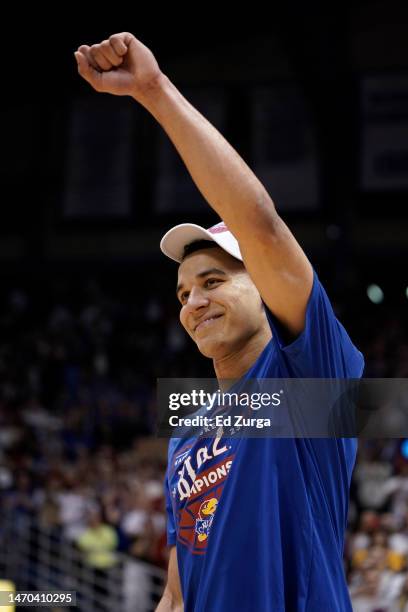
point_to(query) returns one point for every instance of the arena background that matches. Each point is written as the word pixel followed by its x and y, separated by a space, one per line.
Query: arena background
pixel 316 101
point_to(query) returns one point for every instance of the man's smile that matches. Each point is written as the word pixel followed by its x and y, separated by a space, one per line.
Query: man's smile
pixel 207 321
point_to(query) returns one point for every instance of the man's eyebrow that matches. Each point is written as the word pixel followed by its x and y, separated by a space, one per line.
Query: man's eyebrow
pixel 202 274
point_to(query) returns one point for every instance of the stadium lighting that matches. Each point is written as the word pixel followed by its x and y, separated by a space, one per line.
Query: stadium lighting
pixel 375 294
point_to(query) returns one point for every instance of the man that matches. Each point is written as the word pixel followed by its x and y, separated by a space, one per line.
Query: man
pixel 267 534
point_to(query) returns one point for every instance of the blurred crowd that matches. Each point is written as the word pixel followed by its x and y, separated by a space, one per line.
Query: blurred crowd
pixel 376 551
pixel 78 369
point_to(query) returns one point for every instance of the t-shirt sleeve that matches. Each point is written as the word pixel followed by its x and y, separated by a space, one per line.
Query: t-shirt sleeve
pixel 324 348
pixel 171 526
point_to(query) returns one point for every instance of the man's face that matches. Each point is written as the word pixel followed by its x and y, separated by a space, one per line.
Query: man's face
pixel 221 308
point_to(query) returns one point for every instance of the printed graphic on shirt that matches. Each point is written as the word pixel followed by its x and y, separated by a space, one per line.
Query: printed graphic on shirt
pixel 205 518
pixel 196 485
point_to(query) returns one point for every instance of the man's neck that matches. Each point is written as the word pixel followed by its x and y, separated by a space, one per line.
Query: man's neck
pixel 237 363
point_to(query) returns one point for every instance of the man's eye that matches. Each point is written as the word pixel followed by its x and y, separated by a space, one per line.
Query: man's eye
pixel 211 281
pixel 184 296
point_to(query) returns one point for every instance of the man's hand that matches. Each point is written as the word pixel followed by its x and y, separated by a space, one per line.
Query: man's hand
pixel 121 65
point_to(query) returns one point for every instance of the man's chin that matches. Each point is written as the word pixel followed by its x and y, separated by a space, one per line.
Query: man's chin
pixel 205 349
pixel 210 347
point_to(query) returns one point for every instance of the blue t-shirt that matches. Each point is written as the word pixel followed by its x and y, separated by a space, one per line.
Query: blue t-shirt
pixel 259 523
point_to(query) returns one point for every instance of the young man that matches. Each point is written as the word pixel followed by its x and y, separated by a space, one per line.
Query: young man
pixel 265 532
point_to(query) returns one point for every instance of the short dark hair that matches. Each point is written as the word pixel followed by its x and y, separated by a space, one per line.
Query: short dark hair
pixel 197 245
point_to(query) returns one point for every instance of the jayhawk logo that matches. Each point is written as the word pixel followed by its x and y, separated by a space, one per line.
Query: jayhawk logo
pixel 205 518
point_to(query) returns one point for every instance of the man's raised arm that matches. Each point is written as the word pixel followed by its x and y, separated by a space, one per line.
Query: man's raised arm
pixel 122 65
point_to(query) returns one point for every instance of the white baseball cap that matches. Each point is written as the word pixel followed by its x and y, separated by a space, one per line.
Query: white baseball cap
pixel 178 237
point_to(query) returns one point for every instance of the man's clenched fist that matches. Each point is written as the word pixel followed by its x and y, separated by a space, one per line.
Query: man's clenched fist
pixel 120 65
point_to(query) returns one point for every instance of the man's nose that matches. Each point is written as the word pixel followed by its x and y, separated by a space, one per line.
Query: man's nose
pixel 197 299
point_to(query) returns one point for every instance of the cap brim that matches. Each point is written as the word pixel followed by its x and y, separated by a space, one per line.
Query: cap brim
pixel 178 237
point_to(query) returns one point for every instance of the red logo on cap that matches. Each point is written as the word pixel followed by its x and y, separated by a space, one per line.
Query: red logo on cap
pixel 218 229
